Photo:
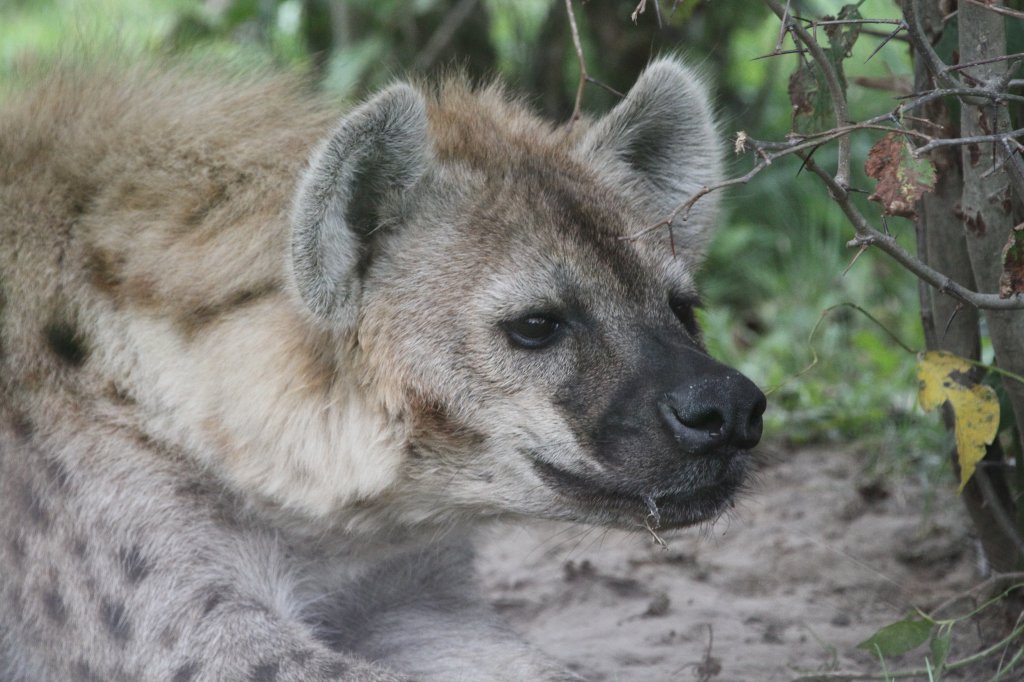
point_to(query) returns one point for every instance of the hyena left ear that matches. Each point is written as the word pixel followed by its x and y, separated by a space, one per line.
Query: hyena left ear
pixel 661 143
pixel 377 152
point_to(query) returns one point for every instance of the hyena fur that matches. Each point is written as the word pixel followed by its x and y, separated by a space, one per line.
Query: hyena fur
pixel 264 369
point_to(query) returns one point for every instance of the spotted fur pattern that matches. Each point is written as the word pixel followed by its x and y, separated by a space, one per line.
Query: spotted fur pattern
pixel 254 392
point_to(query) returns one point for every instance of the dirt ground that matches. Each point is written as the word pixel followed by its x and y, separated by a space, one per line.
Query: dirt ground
pixel 810 563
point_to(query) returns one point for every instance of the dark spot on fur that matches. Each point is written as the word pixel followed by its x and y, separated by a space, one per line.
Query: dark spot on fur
pixel 34 507
pixel 215 599
pixel 119 395
pixel 105 271
pixel 12 599
pixel 302 656
pixel 434 424
pixel 23 426
pixel 56 472
pixel 186 673
pixel 265 672
pixel 337 669
pixel 54 606
pixel 3 305
pixel 169 637
pixel 115 618
pixel 216 196
pixel 81 672
pixel 78 548
pixel 66 343
pixel 195 321
pixel 17 547
pixel 135 566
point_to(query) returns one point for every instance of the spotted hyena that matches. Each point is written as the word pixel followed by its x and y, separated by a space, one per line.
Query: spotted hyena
pixel 263 369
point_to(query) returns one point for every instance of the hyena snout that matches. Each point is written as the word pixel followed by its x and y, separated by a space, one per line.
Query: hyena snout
pixel 719 411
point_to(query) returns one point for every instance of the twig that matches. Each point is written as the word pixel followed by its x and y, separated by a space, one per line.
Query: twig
pixel 996 581
pixel 998 9
pixel 960 141
pixel 1005 524
pixel 443 35
pixel 835 89
pixel 1014 164
pixel 582 62
pixel 936 67
pixel 838 22
pixel 920 672
pixel 885 41
pixel 994 95
pixel 867 235
pixel 782 28
pixel 989 60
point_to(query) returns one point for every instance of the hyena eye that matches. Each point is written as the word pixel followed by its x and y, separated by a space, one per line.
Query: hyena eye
pixel 683 307
pixel 532 331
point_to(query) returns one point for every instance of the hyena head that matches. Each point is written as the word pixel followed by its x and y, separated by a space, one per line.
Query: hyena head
pixel 483 264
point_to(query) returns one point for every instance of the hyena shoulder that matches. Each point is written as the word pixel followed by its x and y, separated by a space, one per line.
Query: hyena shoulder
pixel 265 364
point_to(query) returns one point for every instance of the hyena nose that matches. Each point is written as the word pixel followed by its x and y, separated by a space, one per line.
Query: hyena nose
pixel 714 413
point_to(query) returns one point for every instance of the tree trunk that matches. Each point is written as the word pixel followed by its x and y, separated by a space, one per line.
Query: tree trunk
pixel 987 210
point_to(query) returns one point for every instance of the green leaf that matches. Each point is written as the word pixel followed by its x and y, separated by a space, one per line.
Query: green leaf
pixel 842 37
pixel 899 637
pixel 940 647
pixel 812 105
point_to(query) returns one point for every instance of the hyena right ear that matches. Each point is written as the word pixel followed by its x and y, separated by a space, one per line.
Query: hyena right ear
pixel 661 142
pixel 378 151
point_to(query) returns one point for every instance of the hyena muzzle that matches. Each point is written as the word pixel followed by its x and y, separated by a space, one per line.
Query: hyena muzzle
pixel 264 371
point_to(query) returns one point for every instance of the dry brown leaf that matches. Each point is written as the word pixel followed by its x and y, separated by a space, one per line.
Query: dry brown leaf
pixel 902 178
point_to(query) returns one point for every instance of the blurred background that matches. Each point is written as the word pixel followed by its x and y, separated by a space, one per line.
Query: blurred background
pixel 779 261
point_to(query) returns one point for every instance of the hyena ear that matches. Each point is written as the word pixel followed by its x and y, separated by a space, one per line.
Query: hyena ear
pixel 377 152
pixel 661 143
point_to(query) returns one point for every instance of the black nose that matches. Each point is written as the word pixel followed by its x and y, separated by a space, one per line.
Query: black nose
pixel 722 410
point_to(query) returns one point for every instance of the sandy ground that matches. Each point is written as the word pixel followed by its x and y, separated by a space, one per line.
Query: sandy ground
pixel 810 563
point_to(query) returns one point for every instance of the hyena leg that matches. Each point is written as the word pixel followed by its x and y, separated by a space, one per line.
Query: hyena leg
pixel 423 614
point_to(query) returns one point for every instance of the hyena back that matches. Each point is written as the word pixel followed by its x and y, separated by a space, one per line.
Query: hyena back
pixel 262 370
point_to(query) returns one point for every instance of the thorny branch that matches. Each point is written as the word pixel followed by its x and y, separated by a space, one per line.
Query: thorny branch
pixel 869 236
pixel 998 9
pixel 584 76
pixel 803 146
pixel 835 87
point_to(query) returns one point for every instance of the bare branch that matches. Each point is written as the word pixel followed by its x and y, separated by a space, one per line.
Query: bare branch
pixel 990 60
pixel 835 88
pixel 994 95
pixel 443 35
pixel 582 62
pixel 838 22
pixel 869 236
pixel 998 9
pixel 938 69
pixel 998 511
pixel 974 139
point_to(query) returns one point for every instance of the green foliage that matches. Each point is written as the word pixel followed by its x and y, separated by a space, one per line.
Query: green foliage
pixel 899 637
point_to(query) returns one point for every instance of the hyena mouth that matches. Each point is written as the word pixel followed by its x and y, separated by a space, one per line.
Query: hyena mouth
pixel 663 507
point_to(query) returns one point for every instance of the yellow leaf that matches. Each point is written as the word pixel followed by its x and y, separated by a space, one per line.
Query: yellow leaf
pixel 943 377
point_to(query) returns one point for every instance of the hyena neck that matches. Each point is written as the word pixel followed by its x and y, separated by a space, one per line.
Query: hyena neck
pixel 262 399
